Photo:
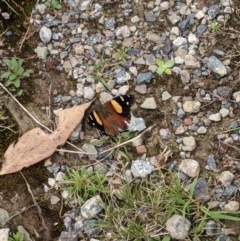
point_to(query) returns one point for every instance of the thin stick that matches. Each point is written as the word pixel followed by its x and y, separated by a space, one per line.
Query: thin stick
pixel 26 34
pixel 38 122
pixel 35 202
pixel 21 8
pixel 3 32
pixel 18 213
pixel 8 128
pixel 114 147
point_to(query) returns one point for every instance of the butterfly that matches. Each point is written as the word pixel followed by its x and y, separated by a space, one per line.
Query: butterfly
pixel 111 117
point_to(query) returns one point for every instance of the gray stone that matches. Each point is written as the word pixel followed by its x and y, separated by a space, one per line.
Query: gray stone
pixel 192 38
pixel 232 206
pixel 201 29
pixel 4 215
pixel 166 96
pixel 136 124
pixel 109 23
pixel 213 11
pixel 59 176
pixel 153 37
pixel 199 15
pixel 149 103
pixel 185 76
pixel 224 91
pixel 180 130
pixel 224 112
pixel 123 89
pixel 139 61
pixel 92 207
pixel 179 41
pixel 41 52
pixel 68 236
pixel 174 19
pixel 180 113
pixel 167 48
pixel 88 148
pixel 141 168
pixel 183 25
pixel 144 78
pixel 215 65
pixel 211 228
pixel 84 4
pixel 178 227
pixel 54 200
pixel 189 167
pixel 88 93
pixel 226 177
pixel 165 134
pixel 4 234
pixel 41 8
pixel 202 130
pixel 191 62
pixel 45 34
pixel 150 16
pixel 189 142
pixel 135 19
pixel 123 32
pixel 192 106
pixel 91 228
pixel 201 191
pixel 215 117
pixel 122 76
pixel 211 163
pixel 150 59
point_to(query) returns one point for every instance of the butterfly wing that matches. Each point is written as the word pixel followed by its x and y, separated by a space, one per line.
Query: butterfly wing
pixel 111 117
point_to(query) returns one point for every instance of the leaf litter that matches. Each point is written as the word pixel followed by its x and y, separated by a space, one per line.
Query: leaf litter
pixel 36 144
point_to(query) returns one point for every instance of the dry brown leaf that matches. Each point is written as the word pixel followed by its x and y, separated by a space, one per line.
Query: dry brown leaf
pixel 36 145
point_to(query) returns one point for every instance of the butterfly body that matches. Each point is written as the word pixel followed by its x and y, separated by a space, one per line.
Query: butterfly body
pixel 111 117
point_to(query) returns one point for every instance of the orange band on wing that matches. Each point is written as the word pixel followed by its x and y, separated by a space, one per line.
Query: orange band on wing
pixel 116 106
pixel 97 118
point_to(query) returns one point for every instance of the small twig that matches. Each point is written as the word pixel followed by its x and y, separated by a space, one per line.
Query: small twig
pixel 18 213
pixel 38 122
pixel 3 33
pixel 234 147
pixel 114 147
pixel 21 8
pixel 35 202
pixel 28 29
pixel 8 128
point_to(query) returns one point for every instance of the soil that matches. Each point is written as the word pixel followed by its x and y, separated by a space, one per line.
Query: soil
pixel 14 195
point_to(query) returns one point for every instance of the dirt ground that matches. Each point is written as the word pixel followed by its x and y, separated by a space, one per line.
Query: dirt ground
pixel 14 195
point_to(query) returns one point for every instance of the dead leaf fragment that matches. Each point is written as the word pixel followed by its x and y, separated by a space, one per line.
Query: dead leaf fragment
pixel 36 145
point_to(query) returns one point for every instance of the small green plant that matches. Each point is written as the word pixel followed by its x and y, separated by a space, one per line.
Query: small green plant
pixel 121 54
pixel 164 67
pixel 82 184
pixel 214 25
pixel 142 209
pixel 54 4
pixel 14 74
pixel 16 237
pixel 102 64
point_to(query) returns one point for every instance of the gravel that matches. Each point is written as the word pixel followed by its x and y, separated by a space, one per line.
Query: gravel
pixel 184 38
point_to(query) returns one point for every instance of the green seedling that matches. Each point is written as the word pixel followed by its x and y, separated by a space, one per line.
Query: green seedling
pixel 14 74
pixel 82 184
pixel 121 54
pixel 164 67
pixel 16 237
pixel 214 25
pixel 54 4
